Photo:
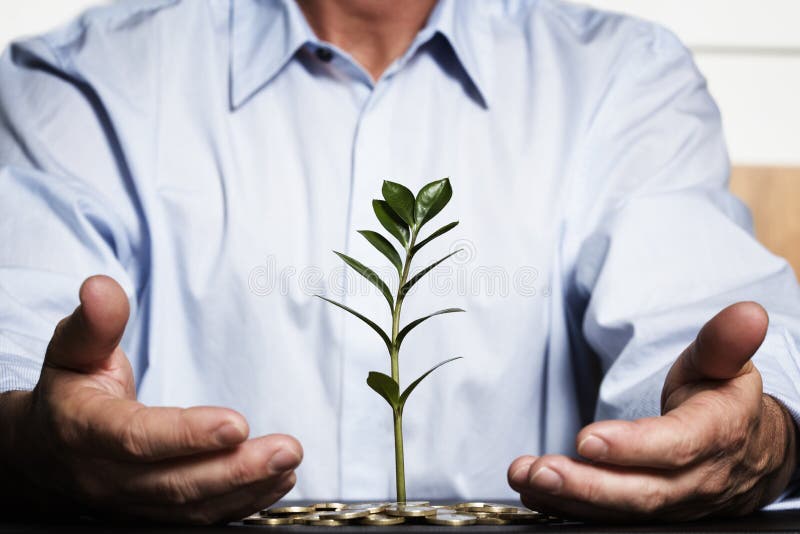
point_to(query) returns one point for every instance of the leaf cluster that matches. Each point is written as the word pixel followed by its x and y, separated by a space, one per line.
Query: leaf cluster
pixel 402 215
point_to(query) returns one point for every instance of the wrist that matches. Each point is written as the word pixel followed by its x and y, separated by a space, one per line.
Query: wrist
pixel 783 433
pixel 14 414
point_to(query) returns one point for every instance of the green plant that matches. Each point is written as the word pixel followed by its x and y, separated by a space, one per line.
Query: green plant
pixel 403 215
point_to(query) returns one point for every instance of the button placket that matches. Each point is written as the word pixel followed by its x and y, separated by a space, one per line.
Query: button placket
pixel 366 439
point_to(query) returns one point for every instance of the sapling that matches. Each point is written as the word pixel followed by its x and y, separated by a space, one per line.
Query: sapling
pixel 402 215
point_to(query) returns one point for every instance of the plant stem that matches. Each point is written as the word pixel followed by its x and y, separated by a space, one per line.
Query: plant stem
pixel 399 466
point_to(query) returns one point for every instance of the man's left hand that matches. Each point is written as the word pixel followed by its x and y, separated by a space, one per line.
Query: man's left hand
pixel 720 447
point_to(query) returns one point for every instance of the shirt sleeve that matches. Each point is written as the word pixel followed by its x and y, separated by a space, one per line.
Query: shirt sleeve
pixel 66 205
pixel 667 246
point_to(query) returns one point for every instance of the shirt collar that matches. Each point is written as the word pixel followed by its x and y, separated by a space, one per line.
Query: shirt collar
pixel 266 34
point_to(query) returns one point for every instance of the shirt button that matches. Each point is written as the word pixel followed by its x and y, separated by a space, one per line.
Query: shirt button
pixel 324 54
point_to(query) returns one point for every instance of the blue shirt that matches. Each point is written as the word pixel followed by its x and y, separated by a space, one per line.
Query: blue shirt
pixel 207 156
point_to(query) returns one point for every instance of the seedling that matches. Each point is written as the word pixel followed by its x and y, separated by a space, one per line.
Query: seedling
pixel 403 216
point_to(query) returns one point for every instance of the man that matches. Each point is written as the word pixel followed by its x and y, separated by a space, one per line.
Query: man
pixel 205 156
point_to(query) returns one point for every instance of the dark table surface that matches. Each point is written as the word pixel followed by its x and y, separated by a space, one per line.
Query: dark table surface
pixel 775 521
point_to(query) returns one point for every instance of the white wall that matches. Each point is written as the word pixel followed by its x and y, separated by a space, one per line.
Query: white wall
pixel 748 49
pixel 30 17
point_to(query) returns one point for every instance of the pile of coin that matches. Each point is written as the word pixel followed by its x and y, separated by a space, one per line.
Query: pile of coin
pixel 332 514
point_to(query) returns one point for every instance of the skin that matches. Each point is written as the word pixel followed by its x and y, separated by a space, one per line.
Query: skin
pixel 720 448
pixel 373 32
pixel 81 439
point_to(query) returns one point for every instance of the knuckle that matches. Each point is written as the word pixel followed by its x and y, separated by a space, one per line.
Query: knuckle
pixel 185 435
pixel 714 487
pixel 174 489
pixel 686 451
pixel 134 439
pixel 247 467
pixel 652 499
pixel 591 490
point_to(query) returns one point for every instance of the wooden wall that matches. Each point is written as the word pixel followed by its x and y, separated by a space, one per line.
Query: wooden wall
pixel 773 195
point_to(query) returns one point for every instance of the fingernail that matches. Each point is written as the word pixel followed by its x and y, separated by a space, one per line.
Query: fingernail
pixel 520 476
pixel 283 460
pixel 593 447
pixel 547 480
pixel 229 434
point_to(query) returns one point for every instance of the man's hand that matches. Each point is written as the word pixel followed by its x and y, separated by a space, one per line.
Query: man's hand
pixel 721 447
pixel 82 436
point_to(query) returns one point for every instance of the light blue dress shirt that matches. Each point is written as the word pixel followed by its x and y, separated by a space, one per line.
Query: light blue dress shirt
pixel 208 156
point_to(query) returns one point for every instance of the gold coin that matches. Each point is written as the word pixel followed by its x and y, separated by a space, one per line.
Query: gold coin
pixel 328 506
pixel 492 508
pixel 522 515
pixel 261 520
pixel 382 520
pixel 317 520
pixel 458 519
pixel 492 521
pixel 371 507
pixel 400 510
pixel 481 515
pixel 409 503
pixel 467 505
pixel 288 510
pixel 344 514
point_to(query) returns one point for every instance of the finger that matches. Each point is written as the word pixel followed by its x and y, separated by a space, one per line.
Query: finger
pixel 572 509
pixel 83 340
pixel 518 472
pixel 640 491
pixel 706 425
pixel 230 507
pixel 257 461
pixel 724 346
pixel 129 431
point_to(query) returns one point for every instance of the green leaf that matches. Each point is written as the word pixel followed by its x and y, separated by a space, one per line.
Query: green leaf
pixel 372 325
pixel 443 230
pixel 385 248
pixel 410 326
pixel 391 221
pixel 370 275
pixel 385 386
pixel 415 383
pixel 408 285
pixel 400 199
pixel 431 199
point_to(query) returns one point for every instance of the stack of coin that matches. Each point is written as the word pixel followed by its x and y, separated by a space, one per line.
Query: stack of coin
pixel 389 514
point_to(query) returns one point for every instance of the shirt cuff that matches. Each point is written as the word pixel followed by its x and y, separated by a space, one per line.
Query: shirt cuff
pixel 778 361
pixel 18 373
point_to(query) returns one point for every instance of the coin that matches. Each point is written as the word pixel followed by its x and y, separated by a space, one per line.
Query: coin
pixel 492 521
pixel 328 506
pixel 371 507
pixel 467 505
pixel 288 510
pixel 490 507
pixel 382 520
pixel 317 519
pixel 261 520
pixel 522 515
pixel 457 519
pixel 409 503
pixel 344 514
pixel 400 510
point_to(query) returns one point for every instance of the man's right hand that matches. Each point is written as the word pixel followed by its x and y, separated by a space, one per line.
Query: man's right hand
pixel 81 435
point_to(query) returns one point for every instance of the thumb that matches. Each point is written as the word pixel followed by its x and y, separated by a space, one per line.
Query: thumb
pixel 83 340
pixel 723 347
